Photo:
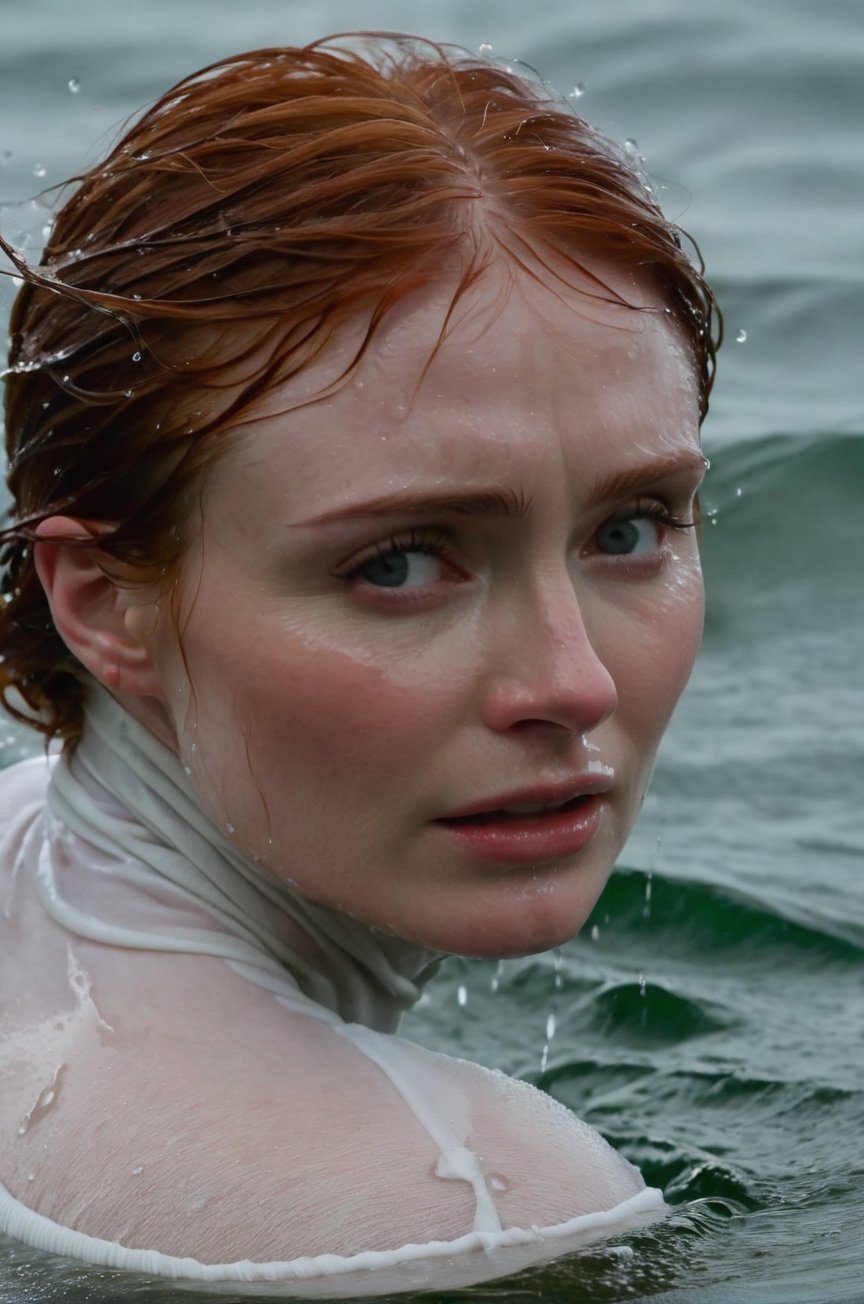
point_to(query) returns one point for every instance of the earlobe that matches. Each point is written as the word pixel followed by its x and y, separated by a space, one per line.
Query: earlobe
pixel 89 608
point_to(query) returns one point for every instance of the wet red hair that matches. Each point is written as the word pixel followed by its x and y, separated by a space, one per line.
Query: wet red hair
pixel 253 208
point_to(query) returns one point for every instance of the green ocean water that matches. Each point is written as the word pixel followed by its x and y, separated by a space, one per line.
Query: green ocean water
pixel 710 1019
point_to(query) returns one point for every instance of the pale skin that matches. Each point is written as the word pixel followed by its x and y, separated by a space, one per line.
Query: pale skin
pixel 531 486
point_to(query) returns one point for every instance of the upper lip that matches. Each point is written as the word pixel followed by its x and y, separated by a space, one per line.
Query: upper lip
pixel 545 794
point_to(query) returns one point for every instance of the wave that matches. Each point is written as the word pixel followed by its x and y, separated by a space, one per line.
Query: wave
pixel 694 920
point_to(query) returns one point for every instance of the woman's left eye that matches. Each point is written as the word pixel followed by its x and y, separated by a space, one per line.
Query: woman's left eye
pixel 639 535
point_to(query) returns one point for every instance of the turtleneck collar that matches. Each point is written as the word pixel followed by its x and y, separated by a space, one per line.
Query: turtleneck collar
pixel 127 794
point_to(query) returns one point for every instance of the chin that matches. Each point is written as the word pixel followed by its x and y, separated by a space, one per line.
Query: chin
pixel 535 927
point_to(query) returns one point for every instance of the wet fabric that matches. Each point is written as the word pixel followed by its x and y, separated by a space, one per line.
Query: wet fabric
pixel 111 869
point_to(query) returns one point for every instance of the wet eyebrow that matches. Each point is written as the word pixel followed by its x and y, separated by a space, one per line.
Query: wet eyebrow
pixel 508 502
pixel 636 479
pixel 487 502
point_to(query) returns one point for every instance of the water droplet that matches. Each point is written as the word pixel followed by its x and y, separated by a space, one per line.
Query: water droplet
pixel 74 85
pixel 739 492
pixel 642 984
pixel 551 1025
pixel 39 169
pixel 498 1182
pixel 462 994
pixel 137 1170
pixel 129 393
pixel 646 909
pixel 229 827
pixel 484 48
pixel 577 92
pixel 741 337
pixel 595 933
pixel 136 357
pixel 194 747
pixel 31 1177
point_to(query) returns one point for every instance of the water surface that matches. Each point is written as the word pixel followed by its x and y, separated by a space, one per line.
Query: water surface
pixel 710 1020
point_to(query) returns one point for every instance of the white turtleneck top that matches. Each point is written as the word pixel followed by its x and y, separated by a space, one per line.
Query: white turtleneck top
pixel 200 1077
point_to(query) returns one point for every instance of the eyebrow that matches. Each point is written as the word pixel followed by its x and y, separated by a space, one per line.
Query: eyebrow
pixel 487 502
pixel 623 484
pixel 506 502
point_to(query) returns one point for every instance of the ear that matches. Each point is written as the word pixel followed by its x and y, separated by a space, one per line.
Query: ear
pixel 90 608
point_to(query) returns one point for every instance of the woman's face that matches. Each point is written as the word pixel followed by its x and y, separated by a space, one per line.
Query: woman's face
pixel 433 626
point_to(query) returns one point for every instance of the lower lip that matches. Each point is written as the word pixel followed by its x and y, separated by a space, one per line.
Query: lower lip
pixel 526 839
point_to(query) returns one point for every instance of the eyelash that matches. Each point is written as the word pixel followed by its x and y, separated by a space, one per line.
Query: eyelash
pixel 431 542
pixel 438 542
pixel 651 510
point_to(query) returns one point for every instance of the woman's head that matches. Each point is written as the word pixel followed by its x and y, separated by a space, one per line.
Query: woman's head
pixel 254 213
pixel 429 629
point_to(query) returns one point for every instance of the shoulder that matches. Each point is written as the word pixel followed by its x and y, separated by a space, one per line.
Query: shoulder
pixel 22 798
pixel 201 1118
pixel 24 785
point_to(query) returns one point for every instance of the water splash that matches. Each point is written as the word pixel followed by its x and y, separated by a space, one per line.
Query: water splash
pixel 552 1016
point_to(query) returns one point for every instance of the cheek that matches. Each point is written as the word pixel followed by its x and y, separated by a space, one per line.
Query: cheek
pixel 655 658
pixel 321 714
pixel 675 639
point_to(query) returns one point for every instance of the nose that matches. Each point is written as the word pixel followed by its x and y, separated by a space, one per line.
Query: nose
pixel 546 670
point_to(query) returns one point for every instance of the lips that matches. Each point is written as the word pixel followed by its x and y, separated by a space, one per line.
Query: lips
pixel 531 825
pixel 518 811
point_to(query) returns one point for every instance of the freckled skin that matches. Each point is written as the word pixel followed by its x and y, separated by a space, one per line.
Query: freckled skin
pixel 331 723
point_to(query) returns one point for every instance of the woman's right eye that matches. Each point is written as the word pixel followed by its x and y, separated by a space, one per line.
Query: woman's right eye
pixel 408 563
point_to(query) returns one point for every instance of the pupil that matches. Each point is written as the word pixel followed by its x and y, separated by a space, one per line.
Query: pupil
pixel 387 571
pixel 619 537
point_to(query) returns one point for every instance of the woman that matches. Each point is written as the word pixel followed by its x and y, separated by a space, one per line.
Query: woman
pixel 353 433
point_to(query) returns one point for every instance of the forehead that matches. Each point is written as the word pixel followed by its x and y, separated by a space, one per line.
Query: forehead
pixel 460 388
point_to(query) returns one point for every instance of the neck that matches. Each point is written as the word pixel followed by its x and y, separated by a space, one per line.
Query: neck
pixel 126 793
